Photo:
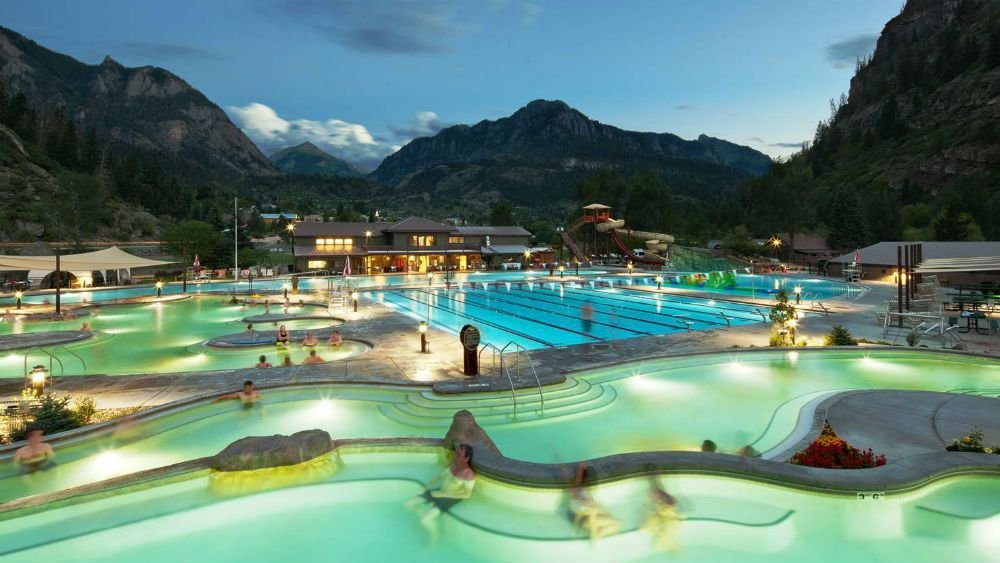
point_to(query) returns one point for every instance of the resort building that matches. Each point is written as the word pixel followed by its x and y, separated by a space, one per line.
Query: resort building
pixel 270 218
pixel 414 244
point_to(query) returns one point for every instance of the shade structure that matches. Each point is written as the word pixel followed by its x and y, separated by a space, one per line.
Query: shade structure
pixel 970 264
pixel 112 258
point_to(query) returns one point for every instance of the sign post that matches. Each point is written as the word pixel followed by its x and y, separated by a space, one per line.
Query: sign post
pixel 469 336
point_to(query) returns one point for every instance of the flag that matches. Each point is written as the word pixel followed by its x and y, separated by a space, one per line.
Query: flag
pixel 347 266
pixel 197 264
pixel 857 256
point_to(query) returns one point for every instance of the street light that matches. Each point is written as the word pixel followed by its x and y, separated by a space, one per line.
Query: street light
pixel 39 375
pixel 562 270
pixel 798 294
pixel 159 289
pixel 17 297
pixel 659 283
pixel 291 233
pixel 354 298
pixel 629 267
pixel 775 243
pixel 527 258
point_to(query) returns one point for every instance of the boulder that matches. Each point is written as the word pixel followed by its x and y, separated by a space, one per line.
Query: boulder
pixel 465 430
pixel 258 452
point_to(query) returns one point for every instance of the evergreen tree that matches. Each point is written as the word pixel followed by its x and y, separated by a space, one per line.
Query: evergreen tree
pixel 844 219
pixel 68 147
pixel 90 152
pixel 502 213
pixel 952 224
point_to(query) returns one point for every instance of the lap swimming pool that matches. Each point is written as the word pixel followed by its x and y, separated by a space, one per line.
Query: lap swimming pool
pixel 538 315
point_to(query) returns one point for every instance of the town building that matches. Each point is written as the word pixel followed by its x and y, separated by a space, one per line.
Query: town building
pixel 878 261
pixel 414 244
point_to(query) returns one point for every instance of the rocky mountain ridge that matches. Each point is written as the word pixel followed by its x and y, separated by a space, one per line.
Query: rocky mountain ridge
pixel 307 158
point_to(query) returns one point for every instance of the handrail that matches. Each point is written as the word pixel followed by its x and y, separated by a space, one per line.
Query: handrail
pixel 513 397
pixel 495 351
pixel 518 349
pixel 74 354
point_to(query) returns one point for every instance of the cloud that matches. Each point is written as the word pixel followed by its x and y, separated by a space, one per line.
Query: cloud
pixel 530 12
pixel 376 26
pixel 350 141
pixel 787 145
pixel 425 124
pixel 686 107
pixel 757 140
pixel 154 51
pixel 843 54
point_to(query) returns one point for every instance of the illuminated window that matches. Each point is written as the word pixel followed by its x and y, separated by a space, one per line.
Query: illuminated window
pixel 334 242
pixel 422 240
pixel 456 240
pixel 316 264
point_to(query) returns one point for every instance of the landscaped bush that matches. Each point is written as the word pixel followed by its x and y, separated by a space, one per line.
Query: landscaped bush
pixel 833 452
pixel 840 336
pixel 85 408
pixel 52 415
pixel 972 442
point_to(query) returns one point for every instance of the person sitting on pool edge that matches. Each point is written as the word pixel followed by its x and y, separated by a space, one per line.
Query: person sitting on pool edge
pixel 335 339
pixel 312 358
pixel 248 395
pixel 584 512
pixel 457 483
pixel 37 455
pixel 282 338
pixel 310 339
pixel 262 362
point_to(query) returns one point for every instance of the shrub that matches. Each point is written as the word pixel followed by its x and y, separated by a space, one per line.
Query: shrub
pixel 833 452
pixel 972 442
pixel 840 336
pixel 52 415
pixel 86 408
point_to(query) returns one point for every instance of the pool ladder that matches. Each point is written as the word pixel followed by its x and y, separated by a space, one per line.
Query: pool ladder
pixel 52 358
pixel 505 368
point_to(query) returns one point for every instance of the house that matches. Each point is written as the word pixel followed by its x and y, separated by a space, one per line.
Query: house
pixel 271 218
pixel 414 244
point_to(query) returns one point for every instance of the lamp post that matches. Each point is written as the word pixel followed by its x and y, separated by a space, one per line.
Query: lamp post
pixel 18 295
pixel 423 336
pixel 159 289
pixel 560 229
pixel 798 294
pixel 527 258
pixel 284 287
pixel 659 283
pixel 291 232
pixel 354 298
pixel 38 376
pixel 629 267
pixel 775 243
pixel 562 270
pixel 368 259
pixel 753 283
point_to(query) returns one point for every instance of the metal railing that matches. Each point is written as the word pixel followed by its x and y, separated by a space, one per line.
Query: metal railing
pixel 518 349
pixel 495 350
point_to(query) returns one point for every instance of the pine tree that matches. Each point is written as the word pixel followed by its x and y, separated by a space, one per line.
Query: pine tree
pixel 845 221
pixel 67 152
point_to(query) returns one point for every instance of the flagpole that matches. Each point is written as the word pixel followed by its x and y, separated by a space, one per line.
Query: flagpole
pixel 236 241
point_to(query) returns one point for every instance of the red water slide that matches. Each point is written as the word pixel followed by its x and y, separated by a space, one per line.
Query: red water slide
pixel 647 259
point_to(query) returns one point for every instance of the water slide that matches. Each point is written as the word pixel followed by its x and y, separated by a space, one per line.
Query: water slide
pixel 567 238
pixel 655 242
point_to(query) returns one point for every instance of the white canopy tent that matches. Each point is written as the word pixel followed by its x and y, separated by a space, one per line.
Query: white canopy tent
pixel 80 265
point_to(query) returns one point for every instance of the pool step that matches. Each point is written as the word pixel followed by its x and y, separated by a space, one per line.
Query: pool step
pixel 525 401
pixel 595 398
pixel 431 400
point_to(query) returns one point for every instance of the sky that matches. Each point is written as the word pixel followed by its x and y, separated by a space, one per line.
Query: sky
pixel 360 78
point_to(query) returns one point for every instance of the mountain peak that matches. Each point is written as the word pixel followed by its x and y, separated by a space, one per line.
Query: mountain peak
pixel 109 62
pixel 307 158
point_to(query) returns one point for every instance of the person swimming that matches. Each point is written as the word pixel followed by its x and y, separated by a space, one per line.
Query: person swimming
pixel 85 327
pixel 287 361
pixel 262 362
pixel 37 455
pixel 709 446
pixel 310 339
pixel 282 338
pixel 584 512
pixel 248 395
pixel 335 339
pixel 663 518
pixel 312 358
pixel 458 480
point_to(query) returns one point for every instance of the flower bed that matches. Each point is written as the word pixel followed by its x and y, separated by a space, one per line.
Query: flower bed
pixel 833 452
pixel 972 442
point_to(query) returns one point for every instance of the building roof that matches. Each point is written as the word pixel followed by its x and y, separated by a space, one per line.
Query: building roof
pixel 493 231
pixel 805 241
pixel 504 249
pixel 418 225
pixel 339 228
pixel 885 252
pixel 596 206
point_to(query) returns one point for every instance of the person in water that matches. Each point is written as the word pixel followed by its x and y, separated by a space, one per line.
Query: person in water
pixel 458 481
pixel 663 518
pixel 262 362
pixel 249 327
pixel 282 336
pixel 312 358
pixel 335 339
pixel 37 454
pixel 709 446
pixel 287 361
pixel 310 339
pixel 85 327
pixel 248 395
pixel 587 316
pixel 584 512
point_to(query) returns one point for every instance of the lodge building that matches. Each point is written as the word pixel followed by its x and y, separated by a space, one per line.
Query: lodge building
pixel 413 245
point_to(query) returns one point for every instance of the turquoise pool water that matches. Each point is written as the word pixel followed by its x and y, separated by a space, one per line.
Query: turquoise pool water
pixel 165 337
pixel 671 404
pixel 538 315
pixel 359 514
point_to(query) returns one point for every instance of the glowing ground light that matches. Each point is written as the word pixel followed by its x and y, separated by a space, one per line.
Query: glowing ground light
pixel 793 357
